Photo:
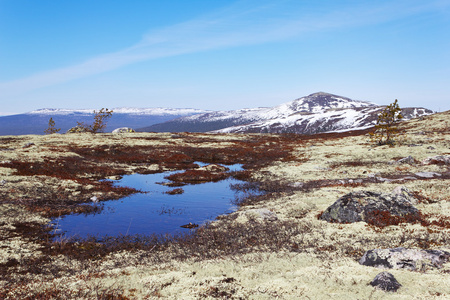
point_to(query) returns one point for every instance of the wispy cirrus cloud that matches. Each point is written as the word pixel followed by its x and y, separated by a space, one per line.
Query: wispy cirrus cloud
pixel 244 23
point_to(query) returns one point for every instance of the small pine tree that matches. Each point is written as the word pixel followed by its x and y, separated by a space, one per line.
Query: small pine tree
pixel 51 127
pixel 386 128
pixel 99 124
pixel 100 118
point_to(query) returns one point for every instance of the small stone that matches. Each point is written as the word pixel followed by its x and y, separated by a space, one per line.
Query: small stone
pixel 409 178
pixel 28 145
pixel 123 130
pixel 407 160
pixel 297 184
pixel 427 174
pixel 94 199
pixel 386 281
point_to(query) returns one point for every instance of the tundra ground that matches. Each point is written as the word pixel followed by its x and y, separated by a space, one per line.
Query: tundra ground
pixel 241 255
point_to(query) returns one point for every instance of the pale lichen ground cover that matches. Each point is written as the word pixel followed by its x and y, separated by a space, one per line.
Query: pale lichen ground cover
pixel 326 268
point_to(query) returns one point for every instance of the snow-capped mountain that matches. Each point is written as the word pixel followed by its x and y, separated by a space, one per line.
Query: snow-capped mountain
pixel 158 111
pixel 318 112
pixel 35 122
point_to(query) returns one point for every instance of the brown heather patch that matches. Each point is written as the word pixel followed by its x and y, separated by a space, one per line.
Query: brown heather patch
pixel 73 168
pixel 433 222
pixel 358 163
pixel 197 176
pixel 385 218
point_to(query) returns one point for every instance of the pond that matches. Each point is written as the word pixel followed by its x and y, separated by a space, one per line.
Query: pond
pixel 154 211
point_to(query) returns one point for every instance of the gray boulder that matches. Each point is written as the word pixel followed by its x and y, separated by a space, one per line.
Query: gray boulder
pixel 385 281
pixel 123 130
pixel 403 258
pixel 365 205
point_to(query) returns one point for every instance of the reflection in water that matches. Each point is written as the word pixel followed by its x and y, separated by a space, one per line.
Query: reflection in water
pixel 154 211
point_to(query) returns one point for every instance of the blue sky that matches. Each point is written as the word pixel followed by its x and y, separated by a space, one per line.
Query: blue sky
pixel 221 55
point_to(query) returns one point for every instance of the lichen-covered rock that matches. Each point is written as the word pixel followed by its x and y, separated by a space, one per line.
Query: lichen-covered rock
pixel 407 194
pixel 362 205
pixel 78 129
pixel 407 160
pixel 403 258
pixel 123 130
pixel 427 174
pixel 262 213
pixel 437 160
pixel 385 281
pixel 214 168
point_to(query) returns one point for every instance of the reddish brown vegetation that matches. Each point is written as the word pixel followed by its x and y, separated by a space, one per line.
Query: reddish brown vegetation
pixel 197 176
pixel 384 218
pixel 177 191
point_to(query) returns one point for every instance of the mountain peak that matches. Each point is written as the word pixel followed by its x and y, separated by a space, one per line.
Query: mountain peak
pixel 321 101
pixel 318 112
pixel 318 94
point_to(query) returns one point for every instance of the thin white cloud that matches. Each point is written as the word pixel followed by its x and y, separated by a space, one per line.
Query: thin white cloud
pixel 238 25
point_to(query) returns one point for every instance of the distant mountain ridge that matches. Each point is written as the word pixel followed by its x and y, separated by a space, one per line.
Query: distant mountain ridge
pixel 35 122
pixel 315 113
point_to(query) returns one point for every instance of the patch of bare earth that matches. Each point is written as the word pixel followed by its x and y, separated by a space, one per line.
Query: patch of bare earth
pixel 274 246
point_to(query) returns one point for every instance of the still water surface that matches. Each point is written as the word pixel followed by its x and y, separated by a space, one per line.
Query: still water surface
pixel 153 211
